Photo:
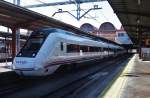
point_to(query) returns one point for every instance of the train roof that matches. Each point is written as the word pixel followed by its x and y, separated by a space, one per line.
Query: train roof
pixel 84 38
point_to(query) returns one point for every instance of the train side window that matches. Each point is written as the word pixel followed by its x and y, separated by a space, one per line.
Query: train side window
pixel 73 48
pixel 61 46
pixel 84 48
pixel 94 49
pixel 77 48
pixel 70 48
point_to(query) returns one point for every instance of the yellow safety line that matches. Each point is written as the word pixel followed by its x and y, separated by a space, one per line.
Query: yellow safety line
pixel 117 85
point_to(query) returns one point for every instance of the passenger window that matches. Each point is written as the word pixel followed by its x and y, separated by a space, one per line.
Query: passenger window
pixel 77 48
pixel 61 46
pixel 73 48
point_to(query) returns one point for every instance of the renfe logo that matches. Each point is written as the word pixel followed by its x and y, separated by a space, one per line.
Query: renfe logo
pixel 21 62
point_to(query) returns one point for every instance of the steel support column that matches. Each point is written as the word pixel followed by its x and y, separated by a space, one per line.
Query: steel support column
pixel 13 42
pixel 140 44
pixel 78 12
pixel 17 33
pixel 17 2
pixel 17 40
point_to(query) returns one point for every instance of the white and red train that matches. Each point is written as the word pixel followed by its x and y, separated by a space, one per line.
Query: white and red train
pixel 47 49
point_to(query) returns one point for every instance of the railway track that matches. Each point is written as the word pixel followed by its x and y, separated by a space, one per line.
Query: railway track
pixel 71 90
pixel 65 85
pixel 10 82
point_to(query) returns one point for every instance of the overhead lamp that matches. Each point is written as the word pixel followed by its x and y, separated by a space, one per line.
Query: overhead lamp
pixel 138 21
pixel 139 2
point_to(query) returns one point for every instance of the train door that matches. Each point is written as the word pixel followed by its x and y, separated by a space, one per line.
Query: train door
pixel 62 48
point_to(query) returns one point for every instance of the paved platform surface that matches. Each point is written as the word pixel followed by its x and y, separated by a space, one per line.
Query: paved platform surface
pixel 4 67
pixel 134 81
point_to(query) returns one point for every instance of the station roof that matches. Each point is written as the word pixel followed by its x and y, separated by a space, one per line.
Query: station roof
pixel 61 3
pixel 134 16
pixel 13 16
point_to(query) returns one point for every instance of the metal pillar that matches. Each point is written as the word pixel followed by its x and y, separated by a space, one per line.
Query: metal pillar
pixel 14 1
pixel 140 44
pixel 17 2
pixel 78 11
pixel 8 44
pixel 17 34
pixel 13 42
pixel 17 40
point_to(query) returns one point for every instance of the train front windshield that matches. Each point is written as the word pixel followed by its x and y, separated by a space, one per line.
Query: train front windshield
pixel 33 45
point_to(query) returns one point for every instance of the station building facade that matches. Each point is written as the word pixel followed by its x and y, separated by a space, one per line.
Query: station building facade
pixel 108 31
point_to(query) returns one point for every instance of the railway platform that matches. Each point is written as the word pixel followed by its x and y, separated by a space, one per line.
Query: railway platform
pixel 5 67
pixel 133 82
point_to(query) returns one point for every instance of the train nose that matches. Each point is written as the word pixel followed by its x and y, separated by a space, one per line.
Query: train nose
pixel 23 64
